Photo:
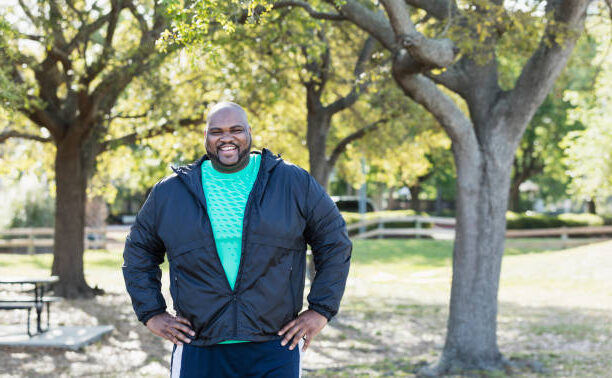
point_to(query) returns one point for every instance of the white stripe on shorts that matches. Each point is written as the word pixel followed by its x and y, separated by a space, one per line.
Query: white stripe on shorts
pixel 177 356
pixel 300 346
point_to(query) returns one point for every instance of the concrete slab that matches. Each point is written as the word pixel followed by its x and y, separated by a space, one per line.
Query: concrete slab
pixel 66 337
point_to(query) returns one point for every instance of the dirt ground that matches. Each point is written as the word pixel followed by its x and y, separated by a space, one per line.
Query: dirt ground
pixel 383 330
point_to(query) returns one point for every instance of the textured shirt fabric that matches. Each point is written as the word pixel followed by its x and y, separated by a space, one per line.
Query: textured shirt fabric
pixel 226 197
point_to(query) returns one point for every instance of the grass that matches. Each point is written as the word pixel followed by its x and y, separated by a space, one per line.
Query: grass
pixel 554 309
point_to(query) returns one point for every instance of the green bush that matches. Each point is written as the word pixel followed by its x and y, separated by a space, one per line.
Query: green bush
pixel 578 220
pixel 516 221
pixel 352 218
pixel 35 211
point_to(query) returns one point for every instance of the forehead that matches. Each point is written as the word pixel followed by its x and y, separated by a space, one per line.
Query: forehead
pixel 227 117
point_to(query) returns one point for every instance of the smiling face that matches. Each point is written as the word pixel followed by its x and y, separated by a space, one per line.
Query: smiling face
pixel 228 137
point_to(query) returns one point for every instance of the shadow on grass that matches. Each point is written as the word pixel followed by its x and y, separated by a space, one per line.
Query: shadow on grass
pixel 388 338
pixel 130 350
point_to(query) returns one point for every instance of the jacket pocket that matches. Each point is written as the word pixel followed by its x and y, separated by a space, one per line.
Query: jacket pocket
pixel 292 288
pixel 177 295
pixel 174 252
pixel 275 241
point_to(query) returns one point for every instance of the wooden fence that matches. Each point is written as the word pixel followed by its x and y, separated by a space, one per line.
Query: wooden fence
pixel 444 228
pixel 31 238
pixel 431 227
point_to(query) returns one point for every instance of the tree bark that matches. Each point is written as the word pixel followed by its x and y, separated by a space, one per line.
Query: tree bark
pixel 318 124
pixel 71 176
pixel 592 208
pixel 515 196
pixel 415 190
pixel 483 148
pixel 482 196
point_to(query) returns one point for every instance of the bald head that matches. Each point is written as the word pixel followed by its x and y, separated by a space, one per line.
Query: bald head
pixel 228 137
pixel 227 112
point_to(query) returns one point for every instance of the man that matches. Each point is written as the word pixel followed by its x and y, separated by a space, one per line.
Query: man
pixel 234 226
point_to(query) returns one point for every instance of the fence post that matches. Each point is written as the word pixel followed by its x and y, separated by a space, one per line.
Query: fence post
pixel 564 237
pixel 31 247
pixel 381 226
pixel 417 225
pixel 104 231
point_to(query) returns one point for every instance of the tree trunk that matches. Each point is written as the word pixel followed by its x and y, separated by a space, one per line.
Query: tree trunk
pixel 415 190
pixel 438 200
pixel 318 124
pixel 482 198
pixel 592 208
pixel 316 138
pixel 71 191
pixel 391 202
pixel 515 196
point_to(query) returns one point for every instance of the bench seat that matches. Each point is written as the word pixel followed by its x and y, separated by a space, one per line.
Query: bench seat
pixel 27 303
pixel 24 299
pixel 17 305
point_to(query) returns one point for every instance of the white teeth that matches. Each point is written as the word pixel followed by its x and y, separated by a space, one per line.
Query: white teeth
pixel 227 148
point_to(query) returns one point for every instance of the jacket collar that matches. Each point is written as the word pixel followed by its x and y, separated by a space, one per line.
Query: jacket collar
pixel 191 174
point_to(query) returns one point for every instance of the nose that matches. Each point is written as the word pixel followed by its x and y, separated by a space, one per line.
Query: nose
pixel 226 137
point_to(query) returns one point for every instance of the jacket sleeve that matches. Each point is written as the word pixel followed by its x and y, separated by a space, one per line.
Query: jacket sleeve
pixel 143 253
pixel 331 248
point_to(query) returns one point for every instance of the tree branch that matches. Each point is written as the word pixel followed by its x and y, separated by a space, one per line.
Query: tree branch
pixel 436 8
pixel 35 20
pixel 428 52
pixel 545 65
pixel 6 134
pixel 100 63
pixel 450 78
pixel 360 85
pixel 342 144
pixel 375 23
pixel 456 124
pixel 144 28
pixel 313 13
pixel 136 136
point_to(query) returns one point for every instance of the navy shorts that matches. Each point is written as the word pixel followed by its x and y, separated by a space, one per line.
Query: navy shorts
pixel 263 359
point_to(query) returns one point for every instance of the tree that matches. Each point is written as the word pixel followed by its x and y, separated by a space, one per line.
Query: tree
pixel 65 66
pixel 587 152
pixel 329 63
pixel 459 47
pixel 460 51
pixel 540 154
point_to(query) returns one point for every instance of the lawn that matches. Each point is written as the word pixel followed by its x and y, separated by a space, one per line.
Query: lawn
pixel 554 314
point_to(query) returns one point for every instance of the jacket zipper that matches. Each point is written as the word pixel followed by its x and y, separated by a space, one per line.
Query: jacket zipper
pixel 292 292
pixel 245 221
pixel 176 285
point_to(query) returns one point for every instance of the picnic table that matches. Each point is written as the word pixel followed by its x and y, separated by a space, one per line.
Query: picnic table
pixel 36 301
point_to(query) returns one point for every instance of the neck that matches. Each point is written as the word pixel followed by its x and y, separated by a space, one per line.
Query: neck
pixel 240 164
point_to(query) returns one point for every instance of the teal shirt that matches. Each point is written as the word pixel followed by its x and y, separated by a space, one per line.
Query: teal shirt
pixel 226 197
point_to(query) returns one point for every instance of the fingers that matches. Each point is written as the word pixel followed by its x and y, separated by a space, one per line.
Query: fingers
pixel 176 335
pixel 296 339
pixel 184 329
pixel 286 327
pixel 306 344
pixel 289 334
pixel 168 335
pixel 182 320
pixel 174 329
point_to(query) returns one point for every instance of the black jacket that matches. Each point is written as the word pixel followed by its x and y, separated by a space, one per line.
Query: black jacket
pixel 286 210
